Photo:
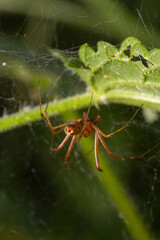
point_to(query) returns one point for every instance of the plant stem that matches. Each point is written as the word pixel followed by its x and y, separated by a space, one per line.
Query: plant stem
pixel 124 95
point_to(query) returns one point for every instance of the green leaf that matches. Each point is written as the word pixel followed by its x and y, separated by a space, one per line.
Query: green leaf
pixel 95 60
pixel 117 73
pixel 132 64
pixel 154 56
pixel 130 75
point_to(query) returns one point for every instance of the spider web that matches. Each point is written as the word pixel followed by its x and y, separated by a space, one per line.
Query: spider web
pixel 40 198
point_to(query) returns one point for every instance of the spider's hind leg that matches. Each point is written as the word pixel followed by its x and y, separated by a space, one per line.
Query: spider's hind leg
pixel 96 152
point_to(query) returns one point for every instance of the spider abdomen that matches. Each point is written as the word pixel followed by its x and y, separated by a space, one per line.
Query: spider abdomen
pixel 88 129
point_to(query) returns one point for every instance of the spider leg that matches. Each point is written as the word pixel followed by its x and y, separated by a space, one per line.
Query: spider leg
pixel 62 144
pixel 69 150
pixel 49 123
pixel 120 129
pixel 124 157
pixel 46 118
pixel 111 154
pixel 85 117
pixel 149 150
pixel 96 152
pixel 51 127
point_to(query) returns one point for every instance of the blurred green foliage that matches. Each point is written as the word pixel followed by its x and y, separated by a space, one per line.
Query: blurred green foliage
pixel 40 198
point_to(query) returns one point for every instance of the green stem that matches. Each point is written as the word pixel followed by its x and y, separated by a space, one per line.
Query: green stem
pixel 27 115
pixel 124 95
pixel 135 96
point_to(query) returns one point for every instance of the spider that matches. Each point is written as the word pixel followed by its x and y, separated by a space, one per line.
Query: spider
pixel 84 127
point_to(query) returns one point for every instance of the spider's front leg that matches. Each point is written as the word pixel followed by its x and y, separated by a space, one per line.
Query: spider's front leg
pixel 46 118
pixel 118 130
pixel 61 145
pixel 69 149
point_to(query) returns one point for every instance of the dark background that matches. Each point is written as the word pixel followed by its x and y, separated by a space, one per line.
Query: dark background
pixel 40 197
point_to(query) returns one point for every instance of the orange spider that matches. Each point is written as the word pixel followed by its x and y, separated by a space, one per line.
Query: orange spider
pixel 84 127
